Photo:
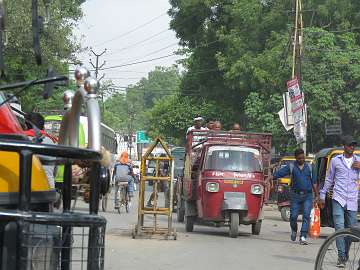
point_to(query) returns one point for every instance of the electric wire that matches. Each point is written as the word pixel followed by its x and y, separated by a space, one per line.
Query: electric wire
pixel 131 31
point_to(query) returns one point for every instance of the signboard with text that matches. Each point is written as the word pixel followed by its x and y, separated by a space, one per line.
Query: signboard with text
pixel 297 109
pixel 141 137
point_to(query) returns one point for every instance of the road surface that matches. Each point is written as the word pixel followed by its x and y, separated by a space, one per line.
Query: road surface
pixel 207 247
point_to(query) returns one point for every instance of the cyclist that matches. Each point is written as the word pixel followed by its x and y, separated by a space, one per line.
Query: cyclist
pixel 123 172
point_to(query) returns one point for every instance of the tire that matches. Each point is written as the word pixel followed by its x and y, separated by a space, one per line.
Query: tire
pixel 234 225
pixel 58 204
pixel 180 211
pixel 127 205
pixel 256 228
pixel 104 202
pixel 189 223
pixel 330 246
pixel 285 213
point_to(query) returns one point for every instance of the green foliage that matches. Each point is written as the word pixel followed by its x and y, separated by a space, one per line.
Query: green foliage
pixel 239 58
pixel 57 42
pixel 172 116
pixel 127 112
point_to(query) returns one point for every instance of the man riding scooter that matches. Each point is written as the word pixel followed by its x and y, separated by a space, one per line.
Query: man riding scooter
pixel 303 184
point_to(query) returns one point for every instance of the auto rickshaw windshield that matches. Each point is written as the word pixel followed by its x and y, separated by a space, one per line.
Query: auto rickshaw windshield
pixel 233 158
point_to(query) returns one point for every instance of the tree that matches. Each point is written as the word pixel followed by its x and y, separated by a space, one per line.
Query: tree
pixel 172 115
pixel 57 41
pixel 240 51
pixel 125 111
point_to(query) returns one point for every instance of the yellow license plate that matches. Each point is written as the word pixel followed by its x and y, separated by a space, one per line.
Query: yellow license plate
pixel 233 182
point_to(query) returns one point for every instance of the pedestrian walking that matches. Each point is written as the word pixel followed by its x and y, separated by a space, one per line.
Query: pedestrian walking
pixel 343 176
pixel 302 186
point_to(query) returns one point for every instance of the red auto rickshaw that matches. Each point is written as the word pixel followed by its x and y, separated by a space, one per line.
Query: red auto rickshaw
pixel 223 179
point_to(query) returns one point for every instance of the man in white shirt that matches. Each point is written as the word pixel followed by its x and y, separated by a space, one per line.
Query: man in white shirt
pixel 197 125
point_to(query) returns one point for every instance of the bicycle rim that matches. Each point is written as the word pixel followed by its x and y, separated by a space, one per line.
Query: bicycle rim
pixel 328 254
pixel 118 195
pixel 104 202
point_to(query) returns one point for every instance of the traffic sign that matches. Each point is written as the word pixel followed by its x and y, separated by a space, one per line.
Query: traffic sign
pixel 141 137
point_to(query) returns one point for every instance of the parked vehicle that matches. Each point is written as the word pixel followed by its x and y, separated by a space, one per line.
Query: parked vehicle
pixel 322 162
pixel 223 179
pixel 108 141
pixel 34 237
pixel 283 186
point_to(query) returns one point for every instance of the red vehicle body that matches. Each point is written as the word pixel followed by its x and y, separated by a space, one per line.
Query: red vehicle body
pixel 8 124
pixel 223 179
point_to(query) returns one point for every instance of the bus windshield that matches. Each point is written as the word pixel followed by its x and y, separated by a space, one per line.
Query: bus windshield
pixel 233 158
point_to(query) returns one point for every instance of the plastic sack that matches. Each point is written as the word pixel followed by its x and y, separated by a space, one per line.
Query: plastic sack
pixel 314 228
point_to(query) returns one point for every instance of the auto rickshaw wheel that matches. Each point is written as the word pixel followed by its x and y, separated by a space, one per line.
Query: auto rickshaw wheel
pixel 180 211
pixel 256 228
pixel 234 225
pixel 285 213
pixel 189 223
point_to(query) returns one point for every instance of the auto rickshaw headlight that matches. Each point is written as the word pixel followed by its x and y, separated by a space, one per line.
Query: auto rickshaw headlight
pixel 212 187
pixel 257 189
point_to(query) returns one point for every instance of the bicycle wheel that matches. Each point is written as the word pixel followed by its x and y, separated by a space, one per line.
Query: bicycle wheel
pixel 120 200
pixel 327 257
pixel 104 201
pixel 127 201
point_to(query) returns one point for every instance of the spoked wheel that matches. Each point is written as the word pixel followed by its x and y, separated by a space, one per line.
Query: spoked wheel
pixel 234 225
pixel 328 257
pixel 58 204
pixel 127 204
pixel 104 202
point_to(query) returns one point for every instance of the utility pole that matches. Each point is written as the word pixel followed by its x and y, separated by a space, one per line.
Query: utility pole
pixel 97 68
pixel 296 64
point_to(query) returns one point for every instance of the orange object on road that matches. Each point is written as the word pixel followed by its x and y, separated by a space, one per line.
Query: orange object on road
pixel 314 228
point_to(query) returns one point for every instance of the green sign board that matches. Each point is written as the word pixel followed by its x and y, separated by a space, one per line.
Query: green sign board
pixel 141 137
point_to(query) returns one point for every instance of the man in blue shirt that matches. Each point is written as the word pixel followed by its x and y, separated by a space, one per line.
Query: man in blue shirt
pixel 303 183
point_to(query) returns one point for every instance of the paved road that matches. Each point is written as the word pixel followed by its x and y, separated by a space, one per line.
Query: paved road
pixel 208 247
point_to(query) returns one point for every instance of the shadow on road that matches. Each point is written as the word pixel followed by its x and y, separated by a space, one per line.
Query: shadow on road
pixel 216 233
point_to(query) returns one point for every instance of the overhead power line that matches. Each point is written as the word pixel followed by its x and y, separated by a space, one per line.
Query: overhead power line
pixel 139 62
pixel 138 43
pixel 166 56
pixel 132 30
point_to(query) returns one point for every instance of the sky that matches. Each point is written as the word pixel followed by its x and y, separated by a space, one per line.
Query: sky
pixel 130 31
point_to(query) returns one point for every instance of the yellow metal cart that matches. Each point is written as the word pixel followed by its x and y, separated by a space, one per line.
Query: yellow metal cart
pixel 159 178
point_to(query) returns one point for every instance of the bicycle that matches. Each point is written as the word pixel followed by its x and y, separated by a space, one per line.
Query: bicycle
pixel 327 257
pixel 122 198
